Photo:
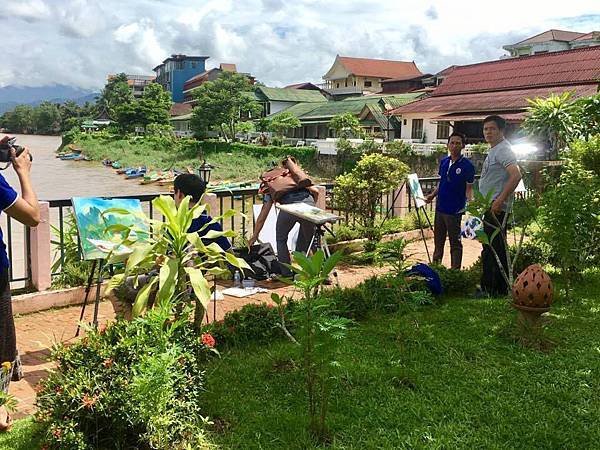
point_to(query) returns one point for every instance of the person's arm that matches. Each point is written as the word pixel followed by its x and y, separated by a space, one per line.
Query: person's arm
pixel 433 194
pixel 469 192
pixel 314 192
pixel 26 208
pixel 514 174
pixel 260 221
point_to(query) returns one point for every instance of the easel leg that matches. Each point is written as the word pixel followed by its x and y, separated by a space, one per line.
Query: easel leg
pixel 422 232
pixel 88 288
pixel 327 255
pixel 97 302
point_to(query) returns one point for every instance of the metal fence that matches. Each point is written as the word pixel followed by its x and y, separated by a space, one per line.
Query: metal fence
pixel 241 200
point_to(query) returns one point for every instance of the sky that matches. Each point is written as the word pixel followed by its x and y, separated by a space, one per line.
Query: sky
pixel 79 42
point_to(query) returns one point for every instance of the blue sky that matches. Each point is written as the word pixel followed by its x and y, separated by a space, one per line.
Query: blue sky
pixel 79 42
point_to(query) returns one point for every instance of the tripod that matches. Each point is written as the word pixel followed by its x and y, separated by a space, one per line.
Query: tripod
pixel 88 288
pixel 318 242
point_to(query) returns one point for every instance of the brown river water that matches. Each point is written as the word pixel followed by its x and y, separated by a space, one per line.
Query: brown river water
pixel 54 179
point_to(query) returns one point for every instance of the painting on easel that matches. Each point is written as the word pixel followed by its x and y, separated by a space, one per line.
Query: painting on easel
pixel 95 216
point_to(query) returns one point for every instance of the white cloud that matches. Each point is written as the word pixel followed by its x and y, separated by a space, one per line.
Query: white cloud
pixel 30 10
pixel 279 41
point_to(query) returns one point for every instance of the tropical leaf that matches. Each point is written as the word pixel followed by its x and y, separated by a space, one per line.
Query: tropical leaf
pixel 141 301
pixel 167 279
pixel 199 285
pixel 331 262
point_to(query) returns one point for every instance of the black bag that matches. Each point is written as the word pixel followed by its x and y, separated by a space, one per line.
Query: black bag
pixel 262 259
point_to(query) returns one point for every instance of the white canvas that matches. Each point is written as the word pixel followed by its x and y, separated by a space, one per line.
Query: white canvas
pixel 267 234
pixel 415 190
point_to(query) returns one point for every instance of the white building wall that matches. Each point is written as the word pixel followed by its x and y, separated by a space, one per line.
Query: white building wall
pixel 429 127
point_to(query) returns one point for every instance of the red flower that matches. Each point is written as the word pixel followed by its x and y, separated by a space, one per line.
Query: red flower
pixel 102 329
pixel 57 433
pixel 89 401
pixel 58 390
pixel 208 340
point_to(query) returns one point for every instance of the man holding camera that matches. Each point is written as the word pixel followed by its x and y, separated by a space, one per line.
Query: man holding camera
pixel 24 209
pixel 457 175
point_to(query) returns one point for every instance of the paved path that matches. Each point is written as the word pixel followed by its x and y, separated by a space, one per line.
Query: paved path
pixel 36 333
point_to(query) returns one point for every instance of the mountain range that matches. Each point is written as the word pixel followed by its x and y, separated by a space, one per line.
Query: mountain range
pixel 11 96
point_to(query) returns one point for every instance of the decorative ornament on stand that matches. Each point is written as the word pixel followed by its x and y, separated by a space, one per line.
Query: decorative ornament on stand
pixel 532 295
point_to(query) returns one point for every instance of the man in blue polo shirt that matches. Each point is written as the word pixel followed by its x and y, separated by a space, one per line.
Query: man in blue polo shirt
pixel 457 174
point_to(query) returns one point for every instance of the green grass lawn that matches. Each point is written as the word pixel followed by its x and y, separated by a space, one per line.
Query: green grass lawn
pixel 231 166
pixel 450 376
pixel 455 375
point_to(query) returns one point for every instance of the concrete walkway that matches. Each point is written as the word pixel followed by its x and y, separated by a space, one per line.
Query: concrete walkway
pixel 37 332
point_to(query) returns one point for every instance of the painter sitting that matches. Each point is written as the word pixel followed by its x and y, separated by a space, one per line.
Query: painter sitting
pixel 184 185
pixel 284 185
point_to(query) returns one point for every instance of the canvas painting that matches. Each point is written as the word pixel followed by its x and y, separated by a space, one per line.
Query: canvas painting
pixel 93 216
pixel 415 190
pixel 308 212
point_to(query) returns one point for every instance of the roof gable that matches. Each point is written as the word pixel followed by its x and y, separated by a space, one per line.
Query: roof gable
pixel 550 35
pixel 567 67
pixel 377 68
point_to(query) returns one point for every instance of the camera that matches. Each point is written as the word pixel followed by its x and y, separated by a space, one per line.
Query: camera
pixel 5 148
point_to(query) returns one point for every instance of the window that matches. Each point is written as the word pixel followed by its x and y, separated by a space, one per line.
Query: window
pixel 417 129
pixel 368 84
pixel 179 65
pixel 194 64
pixel 346 83
pixel 443 130
pixel 337 85
pixel 354 83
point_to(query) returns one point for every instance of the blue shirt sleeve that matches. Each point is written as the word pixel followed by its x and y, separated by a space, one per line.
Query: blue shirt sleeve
pixel 8 195
pixel 440 167
pixel 470 175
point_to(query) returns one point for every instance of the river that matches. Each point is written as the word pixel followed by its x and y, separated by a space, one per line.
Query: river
pixel 56 179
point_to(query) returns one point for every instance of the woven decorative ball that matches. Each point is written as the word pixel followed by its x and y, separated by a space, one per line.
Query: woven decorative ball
pixel 533 288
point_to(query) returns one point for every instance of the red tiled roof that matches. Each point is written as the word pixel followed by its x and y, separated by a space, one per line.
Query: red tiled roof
pixel 179 109
pixel 567 67
pixel 380 68
pixel 550 35
pixel 470 117
pixel 512 100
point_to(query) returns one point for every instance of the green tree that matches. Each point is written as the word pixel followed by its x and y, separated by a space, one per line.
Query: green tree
pixel 346 125
pixel 116 93
pixel 282 122
pixel 588 116
pixel 359 192
pixel 20 120
pixel 154 106
pixel 223 103
pixel 46 118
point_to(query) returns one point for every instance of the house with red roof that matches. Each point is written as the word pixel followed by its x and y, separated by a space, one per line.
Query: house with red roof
pixel 357 76
pixel 470 93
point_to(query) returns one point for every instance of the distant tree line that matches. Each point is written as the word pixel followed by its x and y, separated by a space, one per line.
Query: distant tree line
pixel 46 118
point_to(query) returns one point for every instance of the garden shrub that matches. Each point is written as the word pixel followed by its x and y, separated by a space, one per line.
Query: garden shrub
pixel 253 323
pixel 398 149
pixel 359 192
pixel 569 219
pixel 131 385
pixel 532 252
pixel 458 282
pixel 587 153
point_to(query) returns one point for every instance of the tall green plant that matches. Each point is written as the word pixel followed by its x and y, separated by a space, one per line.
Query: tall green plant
pixel 346 125
pixel 318 331
pixel 553 118
pixel 175 259
pixel 570 220
pixel 359 192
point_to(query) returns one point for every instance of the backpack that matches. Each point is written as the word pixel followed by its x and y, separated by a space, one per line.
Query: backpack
pixel 281 180
pixel 262 260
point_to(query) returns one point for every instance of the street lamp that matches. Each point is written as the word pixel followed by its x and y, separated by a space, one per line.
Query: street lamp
pixel 388 109
pixel 204 172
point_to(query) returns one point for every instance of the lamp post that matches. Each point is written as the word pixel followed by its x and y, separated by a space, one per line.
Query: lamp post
pixel 204 172
pixel 388 109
